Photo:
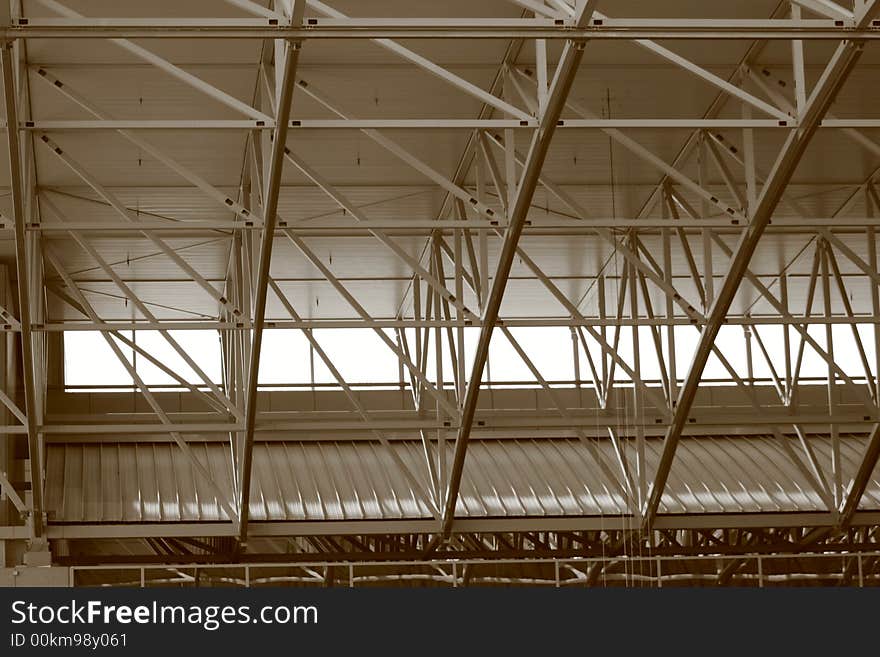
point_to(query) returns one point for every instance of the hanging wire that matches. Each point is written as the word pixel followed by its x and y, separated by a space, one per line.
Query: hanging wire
pixel 602 530
pixel 620 413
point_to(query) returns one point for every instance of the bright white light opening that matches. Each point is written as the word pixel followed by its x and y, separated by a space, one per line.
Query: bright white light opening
pixel 90 361
pixel 361 357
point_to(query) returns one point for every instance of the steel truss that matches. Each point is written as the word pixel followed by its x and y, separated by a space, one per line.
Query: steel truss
pixel 756 558
pixel 665 282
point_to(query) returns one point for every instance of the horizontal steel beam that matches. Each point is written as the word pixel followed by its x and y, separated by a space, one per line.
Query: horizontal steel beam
pixel 391 323
pixel 64 125
pixel 585 226
pixel 439 28
pixel 705 423
pixel 429 526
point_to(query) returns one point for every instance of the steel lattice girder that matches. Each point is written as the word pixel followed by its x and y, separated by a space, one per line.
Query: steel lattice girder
pixel 176 238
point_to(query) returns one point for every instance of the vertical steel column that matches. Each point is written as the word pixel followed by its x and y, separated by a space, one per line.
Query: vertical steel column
pixel 875 304
pixel 24 306
pixel 832 376
pixel 562 82
pixel 270 209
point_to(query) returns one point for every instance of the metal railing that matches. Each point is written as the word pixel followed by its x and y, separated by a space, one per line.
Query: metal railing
pixel 857 569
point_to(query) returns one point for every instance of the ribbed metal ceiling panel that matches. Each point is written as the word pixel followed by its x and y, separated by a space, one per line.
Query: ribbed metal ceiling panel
pixel 154 482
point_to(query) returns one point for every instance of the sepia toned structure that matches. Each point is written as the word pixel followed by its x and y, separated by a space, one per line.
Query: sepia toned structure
pixel 345 293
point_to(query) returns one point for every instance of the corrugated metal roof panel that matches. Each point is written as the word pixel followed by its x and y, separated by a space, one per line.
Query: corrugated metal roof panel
pixel 153 482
